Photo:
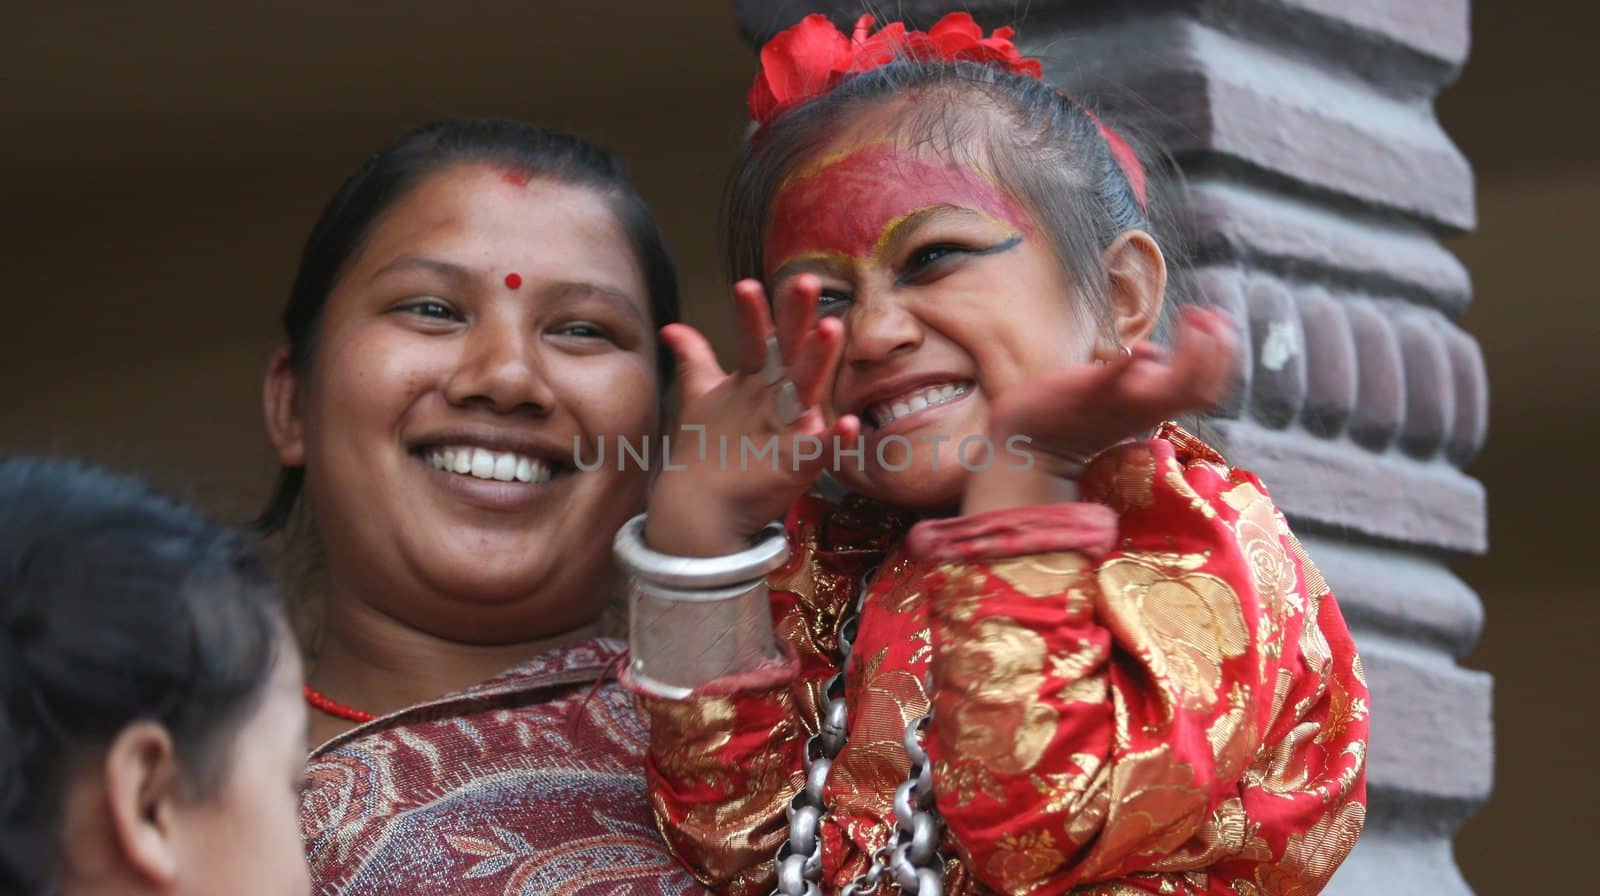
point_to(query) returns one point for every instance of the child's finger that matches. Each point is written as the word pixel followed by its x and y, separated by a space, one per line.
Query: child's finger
pixel 698 369
pixel 795 307
pixel 754 325
pixel 844 431
pixel 819 356
pixel 1221 362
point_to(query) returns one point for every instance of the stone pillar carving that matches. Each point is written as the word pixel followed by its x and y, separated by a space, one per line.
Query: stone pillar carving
pixel 1321 184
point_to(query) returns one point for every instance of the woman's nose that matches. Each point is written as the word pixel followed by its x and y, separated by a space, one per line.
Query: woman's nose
pixel 500 369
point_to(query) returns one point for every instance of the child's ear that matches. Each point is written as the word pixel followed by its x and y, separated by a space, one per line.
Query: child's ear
pixel 280 405
pixel 143 788
pixel 1137 278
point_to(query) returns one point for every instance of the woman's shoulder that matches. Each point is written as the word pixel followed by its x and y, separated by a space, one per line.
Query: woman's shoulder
pixel 469 781
pixel 571 683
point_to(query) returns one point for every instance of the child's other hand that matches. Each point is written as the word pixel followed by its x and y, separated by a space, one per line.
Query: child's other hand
pixel 1076 412
pixel 728 491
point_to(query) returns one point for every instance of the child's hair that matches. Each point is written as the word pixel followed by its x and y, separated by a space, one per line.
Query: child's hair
pixel 117 605
pixel 1045 148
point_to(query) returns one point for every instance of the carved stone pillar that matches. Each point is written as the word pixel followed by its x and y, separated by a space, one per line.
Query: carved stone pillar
pixel 1321 183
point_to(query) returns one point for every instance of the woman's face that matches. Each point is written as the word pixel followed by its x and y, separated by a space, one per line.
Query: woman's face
pixel 490 324
pixel 245 837
pixel 949 292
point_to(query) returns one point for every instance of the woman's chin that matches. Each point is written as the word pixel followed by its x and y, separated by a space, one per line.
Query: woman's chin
pixel 497 577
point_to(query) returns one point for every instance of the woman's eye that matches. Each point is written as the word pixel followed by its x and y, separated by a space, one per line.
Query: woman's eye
pixel 431 308
pixel 584 330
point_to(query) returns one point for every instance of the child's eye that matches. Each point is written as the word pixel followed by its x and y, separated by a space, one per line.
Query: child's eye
pixel 832 304
pixel 931 255
pixel 430 307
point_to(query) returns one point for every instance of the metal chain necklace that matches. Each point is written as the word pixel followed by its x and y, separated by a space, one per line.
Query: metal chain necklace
pixel 910 860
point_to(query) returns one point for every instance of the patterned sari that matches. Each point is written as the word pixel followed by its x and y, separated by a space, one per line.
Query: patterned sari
pixel 531 782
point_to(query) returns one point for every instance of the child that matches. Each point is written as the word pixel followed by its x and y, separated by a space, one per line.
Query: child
pixel 151 724
pixel 1032 650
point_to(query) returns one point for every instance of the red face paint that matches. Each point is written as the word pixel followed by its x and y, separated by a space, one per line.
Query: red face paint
pixel 513 280
pixel 848 207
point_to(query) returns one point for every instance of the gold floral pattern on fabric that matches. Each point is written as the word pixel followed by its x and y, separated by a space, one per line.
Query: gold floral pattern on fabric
pixel 1260 531
pixel 1155 808
pixel 1133 478
pixel 999 670
pixel 1232 735
pixel 1020 860
pixel 684 731
pixel 1065 791
pixel 1184 715
pixel 1228 834
pixel 962 591
pixel 1311 857
pixel 1187 623
pixel 1045 575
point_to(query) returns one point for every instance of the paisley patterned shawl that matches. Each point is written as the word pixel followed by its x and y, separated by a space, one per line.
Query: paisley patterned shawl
pixel 531 782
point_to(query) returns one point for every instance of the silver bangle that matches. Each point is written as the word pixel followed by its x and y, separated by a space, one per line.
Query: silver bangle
pixel 691 574
pixel 694 620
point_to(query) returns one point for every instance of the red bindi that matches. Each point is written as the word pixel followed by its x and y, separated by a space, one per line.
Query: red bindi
pixel 514 177
pixel 513 280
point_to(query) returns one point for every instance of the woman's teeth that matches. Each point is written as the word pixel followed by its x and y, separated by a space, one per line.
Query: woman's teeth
pixel 480 464
pixel 886 412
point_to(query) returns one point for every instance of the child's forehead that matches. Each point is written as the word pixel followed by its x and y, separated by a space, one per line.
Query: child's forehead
pixel 906 131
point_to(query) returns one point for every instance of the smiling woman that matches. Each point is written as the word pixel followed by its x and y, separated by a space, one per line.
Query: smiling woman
pixel 478 302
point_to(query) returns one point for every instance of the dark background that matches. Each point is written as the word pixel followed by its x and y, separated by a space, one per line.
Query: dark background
pixel 160 165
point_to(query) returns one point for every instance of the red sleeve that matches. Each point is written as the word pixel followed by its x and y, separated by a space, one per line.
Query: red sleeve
pixel 724 763
pixel 1183 712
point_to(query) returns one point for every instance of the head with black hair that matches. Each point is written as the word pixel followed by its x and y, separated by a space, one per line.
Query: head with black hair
pixel 475 311
pixel 151 714
pixel 972 227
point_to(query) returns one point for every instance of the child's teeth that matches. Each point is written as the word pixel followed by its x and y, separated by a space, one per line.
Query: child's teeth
pixel 888 412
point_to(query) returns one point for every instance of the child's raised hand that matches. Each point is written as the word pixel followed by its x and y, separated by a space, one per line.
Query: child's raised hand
pixel 1071 414
pixel 748 443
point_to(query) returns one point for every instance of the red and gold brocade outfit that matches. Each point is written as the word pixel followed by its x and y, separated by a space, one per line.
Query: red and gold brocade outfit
pixel 1154 692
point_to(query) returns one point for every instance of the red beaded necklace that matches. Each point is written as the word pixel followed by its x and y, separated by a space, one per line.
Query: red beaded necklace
pixel 323 702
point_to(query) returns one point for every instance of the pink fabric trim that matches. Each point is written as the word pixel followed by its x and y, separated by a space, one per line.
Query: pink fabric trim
pixel 1014 532
pixel 765 677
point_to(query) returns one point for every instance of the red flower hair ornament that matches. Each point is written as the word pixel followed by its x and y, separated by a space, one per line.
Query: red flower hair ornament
pixel 811 58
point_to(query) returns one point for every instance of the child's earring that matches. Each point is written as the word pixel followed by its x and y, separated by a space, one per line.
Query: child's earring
pixel 1121 349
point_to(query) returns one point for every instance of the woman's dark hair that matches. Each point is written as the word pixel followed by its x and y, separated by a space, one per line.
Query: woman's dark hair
pixel 386 177
pixel 1041 146
pixel 117 605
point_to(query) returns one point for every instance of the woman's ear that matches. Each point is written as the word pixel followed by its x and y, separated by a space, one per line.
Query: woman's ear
pixel 1137 278
pixel 280 405
pixel 143 788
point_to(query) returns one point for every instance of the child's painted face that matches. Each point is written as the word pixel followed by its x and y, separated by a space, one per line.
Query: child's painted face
pixel 949 294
